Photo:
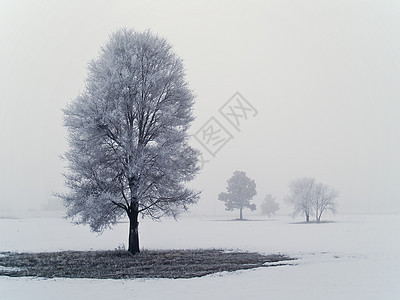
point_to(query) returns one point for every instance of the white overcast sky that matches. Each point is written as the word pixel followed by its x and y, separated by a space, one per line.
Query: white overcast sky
pixel 323 76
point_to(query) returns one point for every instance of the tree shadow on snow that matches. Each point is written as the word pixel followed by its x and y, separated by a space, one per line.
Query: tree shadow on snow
pixel 314 222
pixel 246 220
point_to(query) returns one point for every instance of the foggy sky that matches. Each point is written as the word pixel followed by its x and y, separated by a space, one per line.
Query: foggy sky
pixel 322 75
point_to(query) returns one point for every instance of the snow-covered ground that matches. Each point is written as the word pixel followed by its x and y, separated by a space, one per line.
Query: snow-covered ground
pixel 355 257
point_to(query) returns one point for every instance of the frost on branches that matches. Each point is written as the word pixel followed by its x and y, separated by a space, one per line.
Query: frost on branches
pixel 240 190
pixel 127 134
pixel 307 197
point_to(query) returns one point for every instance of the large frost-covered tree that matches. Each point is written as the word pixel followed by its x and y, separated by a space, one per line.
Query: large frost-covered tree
pixel 301 196
pixel 324 199
pixel 240 190
pixel 127 133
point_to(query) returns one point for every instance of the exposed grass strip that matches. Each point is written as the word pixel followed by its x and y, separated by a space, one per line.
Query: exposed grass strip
pixel 122 265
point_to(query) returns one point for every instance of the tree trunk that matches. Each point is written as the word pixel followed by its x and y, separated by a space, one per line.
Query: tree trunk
pixel 133 214
pixel 307 218
pixel 320 215
pixel 133 247
pixel 241 213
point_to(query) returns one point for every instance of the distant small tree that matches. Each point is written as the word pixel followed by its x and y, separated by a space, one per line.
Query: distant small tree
pixel 269 205
pixel 308 196
pixel 324 199
pixel 240 191
pixel 301 196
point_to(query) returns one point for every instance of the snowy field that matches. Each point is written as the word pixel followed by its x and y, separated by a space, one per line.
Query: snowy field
pixel 355 257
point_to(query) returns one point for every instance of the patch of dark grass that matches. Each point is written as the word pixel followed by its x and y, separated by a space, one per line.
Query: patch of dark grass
pixel 122 265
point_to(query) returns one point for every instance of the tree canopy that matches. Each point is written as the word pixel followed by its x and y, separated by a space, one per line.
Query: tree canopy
pixel 127 134
pixel 240 191
pixel 307 197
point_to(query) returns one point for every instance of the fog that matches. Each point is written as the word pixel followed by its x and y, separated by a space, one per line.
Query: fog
pixel 321 75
